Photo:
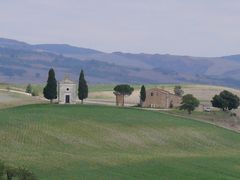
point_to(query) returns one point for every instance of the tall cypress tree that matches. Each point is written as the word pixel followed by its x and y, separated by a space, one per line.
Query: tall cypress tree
pixel 82 87
pixel 50 90
pixel 142 95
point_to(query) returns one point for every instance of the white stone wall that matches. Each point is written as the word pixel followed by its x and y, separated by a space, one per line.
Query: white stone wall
pixel 67 89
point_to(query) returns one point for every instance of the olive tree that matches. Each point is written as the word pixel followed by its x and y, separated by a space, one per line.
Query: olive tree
pixel 189 103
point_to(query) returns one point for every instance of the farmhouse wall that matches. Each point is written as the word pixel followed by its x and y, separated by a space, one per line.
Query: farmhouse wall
pixel 159 98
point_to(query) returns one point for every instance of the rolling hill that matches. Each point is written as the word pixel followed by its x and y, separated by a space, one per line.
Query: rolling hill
pixel 72 142
pixel 22 62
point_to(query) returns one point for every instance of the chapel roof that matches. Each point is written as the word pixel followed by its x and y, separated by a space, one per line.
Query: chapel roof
pixel 66 80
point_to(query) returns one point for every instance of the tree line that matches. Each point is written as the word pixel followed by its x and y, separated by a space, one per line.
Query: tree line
pixel 225 100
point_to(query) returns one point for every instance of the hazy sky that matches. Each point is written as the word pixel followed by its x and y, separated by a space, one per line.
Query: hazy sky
pixel 186 27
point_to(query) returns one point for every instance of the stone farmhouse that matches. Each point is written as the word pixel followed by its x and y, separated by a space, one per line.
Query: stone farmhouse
pixel 159 98
pixel 67 91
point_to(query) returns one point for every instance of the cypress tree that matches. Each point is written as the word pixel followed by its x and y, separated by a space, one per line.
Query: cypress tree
pixel 142 95
pixel 50 90
pixel 29 89
pixel 82 87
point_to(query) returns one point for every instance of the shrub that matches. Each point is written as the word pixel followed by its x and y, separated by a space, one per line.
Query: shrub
pixel 178 91
pixel 35 92
pixel 29 89
pixel 233 114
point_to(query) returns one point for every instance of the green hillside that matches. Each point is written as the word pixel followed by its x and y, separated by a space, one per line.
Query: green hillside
pixel 97 142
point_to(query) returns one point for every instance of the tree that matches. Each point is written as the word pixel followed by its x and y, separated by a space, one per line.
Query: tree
pixel 219 102
pixel 124 90
pixel 142 95
pixel 50 90
pixel 29 89
pixel 178 91
pixel 226 101
pixel 189 103
pixel 82 87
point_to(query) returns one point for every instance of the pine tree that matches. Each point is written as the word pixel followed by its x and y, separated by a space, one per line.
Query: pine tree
pixel 50 90
pixel 142 95
pixel 124 90
pixel 82 87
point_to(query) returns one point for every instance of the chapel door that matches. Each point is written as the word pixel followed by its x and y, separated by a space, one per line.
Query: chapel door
pixel 67 100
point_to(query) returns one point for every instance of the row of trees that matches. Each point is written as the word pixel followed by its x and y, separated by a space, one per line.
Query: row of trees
pixel 11 173
pixel 50 90
pixel 226 101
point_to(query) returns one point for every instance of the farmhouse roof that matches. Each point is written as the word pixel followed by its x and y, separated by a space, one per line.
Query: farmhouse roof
pixel 160 90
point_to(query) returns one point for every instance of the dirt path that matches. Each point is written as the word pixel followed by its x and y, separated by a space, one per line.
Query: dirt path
pixel 105 102
pixel 15 91
pixel 23 93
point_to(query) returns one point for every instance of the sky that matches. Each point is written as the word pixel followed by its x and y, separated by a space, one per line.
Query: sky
pixel 182 27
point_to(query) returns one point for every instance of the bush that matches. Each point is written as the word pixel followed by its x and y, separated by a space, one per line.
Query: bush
pixel 35 93
pixel 178 91
pixel 233 114
pixel 29 89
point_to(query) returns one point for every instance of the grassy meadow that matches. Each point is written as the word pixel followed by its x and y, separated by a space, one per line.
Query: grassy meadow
pixel 99 142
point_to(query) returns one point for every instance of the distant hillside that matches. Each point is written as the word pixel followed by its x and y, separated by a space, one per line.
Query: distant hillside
pixel 65 49
pixel 22 62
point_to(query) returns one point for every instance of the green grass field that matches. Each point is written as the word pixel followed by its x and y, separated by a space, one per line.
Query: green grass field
pixel 98 142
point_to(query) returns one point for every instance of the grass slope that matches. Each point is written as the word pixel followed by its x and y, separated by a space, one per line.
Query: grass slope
pixel 97 142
